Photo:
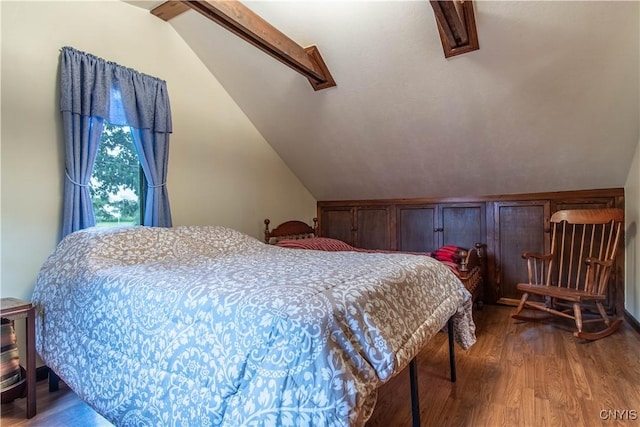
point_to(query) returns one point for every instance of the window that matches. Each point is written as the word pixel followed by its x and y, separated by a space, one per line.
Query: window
pixel 94 91
pixel 117 181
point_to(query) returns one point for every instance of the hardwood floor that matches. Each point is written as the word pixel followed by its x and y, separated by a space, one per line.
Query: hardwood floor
pixel 62 408
pixel 517 374
pixel 521 374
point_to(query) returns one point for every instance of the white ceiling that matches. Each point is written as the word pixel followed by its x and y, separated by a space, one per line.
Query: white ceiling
pixel 550 102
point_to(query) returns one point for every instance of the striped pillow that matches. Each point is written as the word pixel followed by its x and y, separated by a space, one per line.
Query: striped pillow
pixel 317 243
pixel 447 253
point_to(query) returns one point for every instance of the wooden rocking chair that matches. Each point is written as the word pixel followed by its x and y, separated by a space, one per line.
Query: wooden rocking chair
pixel 574 276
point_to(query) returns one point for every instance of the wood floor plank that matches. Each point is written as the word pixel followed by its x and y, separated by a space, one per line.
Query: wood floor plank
pixel 518 374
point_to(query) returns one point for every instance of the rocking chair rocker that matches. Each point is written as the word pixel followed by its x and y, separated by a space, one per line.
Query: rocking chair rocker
pixel 574 276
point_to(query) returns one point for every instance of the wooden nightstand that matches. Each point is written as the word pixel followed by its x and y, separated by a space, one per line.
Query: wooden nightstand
pixel 12 309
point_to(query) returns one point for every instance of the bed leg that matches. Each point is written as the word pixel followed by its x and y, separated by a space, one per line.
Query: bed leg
pixel 415 400
pixel 54 381
pixel 452 355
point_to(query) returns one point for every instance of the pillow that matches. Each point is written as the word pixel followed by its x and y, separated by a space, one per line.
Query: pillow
pixel 316 243
pixel 448 253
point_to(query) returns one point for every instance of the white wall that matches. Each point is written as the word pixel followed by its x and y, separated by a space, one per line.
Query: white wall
pixel 221 170
pixel 632 239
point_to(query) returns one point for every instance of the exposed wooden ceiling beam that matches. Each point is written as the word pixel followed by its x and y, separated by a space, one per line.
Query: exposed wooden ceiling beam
pixel 242 21
pixel 169 9
pixel 456 25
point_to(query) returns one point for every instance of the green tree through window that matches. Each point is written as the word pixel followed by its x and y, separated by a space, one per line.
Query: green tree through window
pixel 116 180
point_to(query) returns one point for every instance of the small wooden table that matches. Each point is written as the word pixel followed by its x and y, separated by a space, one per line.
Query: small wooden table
pixel 13 308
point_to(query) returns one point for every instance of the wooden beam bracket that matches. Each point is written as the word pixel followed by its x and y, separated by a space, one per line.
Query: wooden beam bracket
pixel 314 54
pixel 456 25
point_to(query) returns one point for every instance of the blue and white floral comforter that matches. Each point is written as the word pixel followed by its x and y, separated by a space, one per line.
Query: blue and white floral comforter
pixel 199 326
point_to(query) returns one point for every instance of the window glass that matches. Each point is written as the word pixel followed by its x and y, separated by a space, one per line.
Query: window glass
pixel 116 180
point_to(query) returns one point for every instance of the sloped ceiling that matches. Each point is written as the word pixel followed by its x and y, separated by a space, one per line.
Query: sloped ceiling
pixel 550 102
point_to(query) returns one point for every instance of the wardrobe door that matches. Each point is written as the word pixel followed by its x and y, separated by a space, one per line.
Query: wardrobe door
pixel 337 223
pixel 463 224
pixel 519 226
pixel 417 228
pixel 372 227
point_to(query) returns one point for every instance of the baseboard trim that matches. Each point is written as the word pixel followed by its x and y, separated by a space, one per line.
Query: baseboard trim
pixel 632 321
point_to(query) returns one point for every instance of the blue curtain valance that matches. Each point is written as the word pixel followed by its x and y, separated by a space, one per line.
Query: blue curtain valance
pixel 90 86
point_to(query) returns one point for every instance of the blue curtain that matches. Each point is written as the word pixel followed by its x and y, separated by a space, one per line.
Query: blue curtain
pixel 153 151
pixel 93 90
pixel 81 149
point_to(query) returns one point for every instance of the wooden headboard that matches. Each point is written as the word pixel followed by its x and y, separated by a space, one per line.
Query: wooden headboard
pixel 289 230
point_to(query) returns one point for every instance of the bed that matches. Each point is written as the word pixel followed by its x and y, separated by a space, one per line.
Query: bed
pixel 209 326
pixel 467 264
